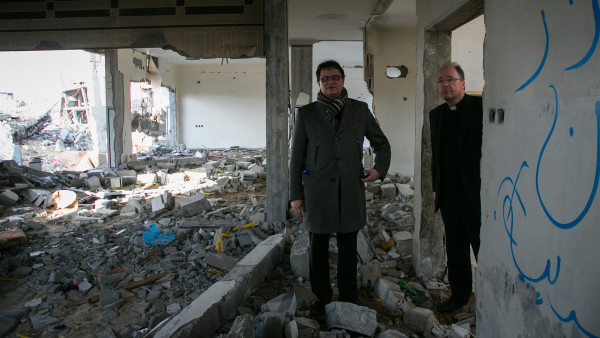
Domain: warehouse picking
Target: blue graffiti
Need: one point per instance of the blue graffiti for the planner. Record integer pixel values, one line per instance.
(537, 72)
(569, 225)
(508, 219)
(572, 317)
(596, 10)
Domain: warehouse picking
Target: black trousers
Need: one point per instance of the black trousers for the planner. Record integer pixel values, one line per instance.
(346, 267)
(462, 232)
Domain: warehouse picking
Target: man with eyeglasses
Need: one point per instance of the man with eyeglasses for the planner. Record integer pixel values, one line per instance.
(456, 132)
(327, 179)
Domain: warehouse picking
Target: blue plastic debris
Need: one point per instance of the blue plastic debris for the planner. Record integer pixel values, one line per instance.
(154, 236)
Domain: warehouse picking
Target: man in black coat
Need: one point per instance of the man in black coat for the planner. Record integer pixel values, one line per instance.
(456, 132)
(327, 178)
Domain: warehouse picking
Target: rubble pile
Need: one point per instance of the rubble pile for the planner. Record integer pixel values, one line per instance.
(116, 253)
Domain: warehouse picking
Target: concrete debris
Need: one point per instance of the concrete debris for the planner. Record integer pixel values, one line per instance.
(351, 317)
(87, 253)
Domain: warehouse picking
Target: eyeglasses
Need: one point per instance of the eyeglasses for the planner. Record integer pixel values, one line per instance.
(333, 77)
(448, 80)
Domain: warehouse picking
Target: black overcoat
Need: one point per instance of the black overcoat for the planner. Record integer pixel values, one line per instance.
(325, 166)
(468, 151)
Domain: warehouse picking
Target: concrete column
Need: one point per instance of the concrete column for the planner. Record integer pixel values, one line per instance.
(429, 254)
(302, 75)
(276, 50)
(115, 106)
(172, 120)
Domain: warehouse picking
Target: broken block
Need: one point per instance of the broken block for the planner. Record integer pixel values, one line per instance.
(248, 175)
(299, 256)
(243, 326)
(8, 198)
(115, 182)
(269, 324)
(162, 202)
(351, 317)
(194, 205)
(388, 190)
(260, 171)
(11, 238)
(392, 334)
(285, 303)
(405, 190)
(420, 320)
(243, 165)
(404, 242)
(362, 247)
(220, 261)
(122, 172)
(93, 182)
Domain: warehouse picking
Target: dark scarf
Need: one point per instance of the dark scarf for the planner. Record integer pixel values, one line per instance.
(333, 107)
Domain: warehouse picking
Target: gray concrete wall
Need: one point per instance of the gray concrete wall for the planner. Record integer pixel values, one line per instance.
(394, 99)
(538, 264)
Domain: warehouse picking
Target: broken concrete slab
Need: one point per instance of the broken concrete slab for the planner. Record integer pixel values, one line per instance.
(391, 334)
(405, 190)
(388, 191)
(220, 302)
(220, 261)
(404, 242)
(8, 198)
(194, 205)
(269, 324)
(420, 320)
(299, 255)
(351, 317)
(63, 199)
(285, 303)
(243, 326)
(363, 248)
(162, 202)
(10, 238)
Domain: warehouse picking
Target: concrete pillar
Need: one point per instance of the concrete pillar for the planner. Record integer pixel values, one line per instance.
(115, 106)
(96, 93)
(302, 77)
(429, 254)
(172, 120)
(276, 49)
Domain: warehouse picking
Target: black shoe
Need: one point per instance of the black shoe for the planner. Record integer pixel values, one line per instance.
(450, 305)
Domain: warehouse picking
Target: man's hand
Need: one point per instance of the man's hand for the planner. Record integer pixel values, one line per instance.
(298, 207)
(373, 175)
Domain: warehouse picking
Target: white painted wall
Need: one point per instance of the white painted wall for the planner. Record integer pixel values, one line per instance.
(539, 266)
(394, 99)
(467, 50)
(222, 105)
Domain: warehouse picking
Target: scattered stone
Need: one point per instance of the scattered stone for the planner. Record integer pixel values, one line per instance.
(351, 317)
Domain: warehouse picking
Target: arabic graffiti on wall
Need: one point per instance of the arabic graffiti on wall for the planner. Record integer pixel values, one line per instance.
(511, 206)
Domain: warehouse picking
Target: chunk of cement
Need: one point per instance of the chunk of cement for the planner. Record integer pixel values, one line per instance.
(243, 326)
(420, 320)
(404, 242)
(299, 256)
(405, 190)
(162, 202)
(285, 303)
(362, 247)
(459, 332)
(388, 190)
(220, 261)
(269, 324)
(392, 334)
(8, 198)
(291, 329)
(41, 321)
(351, 317)
(194, 205)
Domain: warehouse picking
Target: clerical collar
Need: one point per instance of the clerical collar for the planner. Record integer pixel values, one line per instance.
(452, 107)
